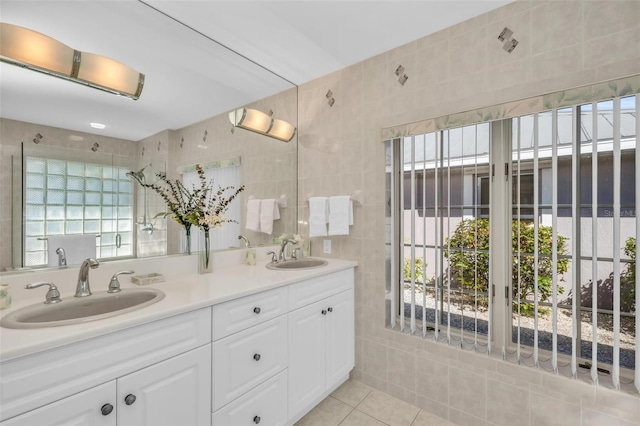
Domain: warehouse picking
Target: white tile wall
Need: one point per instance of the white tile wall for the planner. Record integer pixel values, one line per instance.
(562, 44)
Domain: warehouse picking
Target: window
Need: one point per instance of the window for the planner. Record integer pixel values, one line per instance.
(67, 197)
(553, 230)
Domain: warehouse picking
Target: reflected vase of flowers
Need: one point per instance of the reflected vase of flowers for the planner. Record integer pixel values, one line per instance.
(205, 263)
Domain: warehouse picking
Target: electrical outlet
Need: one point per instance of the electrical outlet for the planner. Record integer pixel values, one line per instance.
(326, 246)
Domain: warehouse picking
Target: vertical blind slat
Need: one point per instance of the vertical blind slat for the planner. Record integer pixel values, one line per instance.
(535, 237)
(413, 234)
(554, 238)
(615, 373)
(594, 241)
(575, 214)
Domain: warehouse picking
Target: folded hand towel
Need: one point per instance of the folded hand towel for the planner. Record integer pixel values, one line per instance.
(269, 212)
(253, 215)
(318, 214)
(340, 215)
(76, 248)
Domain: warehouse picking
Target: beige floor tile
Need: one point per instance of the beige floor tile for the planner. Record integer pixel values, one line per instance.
(330, 412)
(388, 409)
(351, 392)
(427, 419)
(358, 418)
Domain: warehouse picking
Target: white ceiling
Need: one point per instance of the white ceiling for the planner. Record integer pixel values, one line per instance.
(189, 77)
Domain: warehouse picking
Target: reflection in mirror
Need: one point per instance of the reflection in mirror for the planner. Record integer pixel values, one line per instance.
(180, 120)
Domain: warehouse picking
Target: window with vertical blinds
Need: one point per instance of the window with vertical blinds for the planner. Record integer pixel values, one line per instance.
(545, 202)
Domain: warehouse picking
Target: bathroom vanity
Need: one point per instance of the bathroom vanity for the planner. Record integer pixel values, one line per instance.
(243, 346)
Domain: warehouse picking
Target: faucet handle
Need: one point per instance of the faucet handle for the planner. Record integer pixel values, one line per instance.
(52, 296)
(274, 258)
(114, 284)
(296, 252)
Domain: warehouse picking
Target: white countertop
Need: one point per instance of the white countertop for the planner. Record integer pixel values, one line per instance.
(184, 293)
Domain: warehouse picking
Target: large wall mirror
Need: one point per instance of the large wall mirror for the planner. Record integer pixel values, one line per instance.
(61, 177)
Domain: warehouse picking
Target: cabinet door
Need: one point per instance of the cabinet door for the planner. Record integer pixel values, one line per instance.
(173, 392)
(306, 356)
(340, 337)
(82, 409)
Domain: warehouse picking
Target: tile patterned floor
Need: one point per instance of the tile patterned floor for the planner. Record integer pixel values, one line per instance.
(356, 404)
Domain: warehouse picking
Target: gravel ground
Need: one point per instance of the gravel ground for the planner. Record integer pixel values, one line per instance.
(545, 334)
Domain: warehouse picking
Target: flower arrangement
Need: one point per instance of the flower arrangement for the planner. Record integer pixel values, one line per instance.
(201, 206)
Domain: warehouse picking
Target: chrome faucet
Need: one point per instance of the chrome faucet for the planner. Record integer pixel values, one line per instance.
(247, 243)
(62, 257)
(282, 257)
(83, 289)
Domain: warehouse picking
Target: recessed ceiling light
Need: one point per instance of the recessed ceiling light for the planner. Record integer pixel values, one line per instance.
(97, 125)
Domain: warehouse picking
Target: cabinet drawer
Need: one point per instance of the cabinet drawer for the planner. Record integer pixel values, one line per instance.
(246, 359)
(266, 404)
(237, 315)
(310, 291)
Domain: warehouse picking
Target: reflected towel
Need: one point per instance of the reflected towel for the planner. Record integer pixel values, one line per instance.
(318, 215)
(340, 215)
(269, 212)
(253, 215)
(76, 247)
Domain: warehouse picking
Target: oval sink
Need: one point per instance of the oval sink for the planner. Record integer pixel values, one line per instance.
(75, 310)
(294, 264)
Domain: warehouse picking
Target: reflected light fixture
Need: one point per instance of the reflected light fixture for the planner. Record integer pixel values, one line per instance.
(30, 49)
(259, 122)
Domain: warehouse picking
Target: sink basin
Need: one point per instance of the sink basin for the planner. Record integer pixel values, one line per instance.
(294, 264)
(73, 310)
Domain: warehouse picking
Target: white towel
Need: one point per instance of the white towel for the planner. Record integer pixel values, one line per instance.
(318, 215)
(253, 215)
(340, 215)
(76, 248)
(269, 212)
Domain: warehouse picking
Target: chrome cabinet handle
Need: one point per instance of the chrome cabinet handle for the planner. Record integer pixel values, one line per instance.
(256, 357)
(106, 409)
(330, 309)
(257, 310)
(118, 240)
(129, 399)
(256, 419)
(324, 312)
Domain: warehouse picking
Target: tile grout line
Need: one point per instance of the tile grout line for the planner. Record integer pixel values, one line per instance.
(347, 416)
(415, 417)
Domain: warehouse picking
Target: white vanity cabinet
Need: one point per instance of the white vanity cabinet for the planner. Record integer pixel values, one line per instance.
(285, 350)
(165, 365)
(172, 392)
(321, 340)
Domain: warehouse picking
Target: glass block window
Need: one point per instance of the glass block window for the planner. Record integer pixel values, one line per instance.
(66, 197)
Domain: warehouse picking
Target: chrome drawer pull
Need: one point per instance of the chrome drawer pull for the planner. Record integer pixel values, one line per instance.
(106, 409)
(129, 399)
(256, 419)
(256, 310)
(256, 357)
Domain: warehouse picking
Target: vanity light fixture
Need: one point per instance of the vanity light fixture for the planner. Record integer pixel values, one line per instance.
(99, 126)
(35, 51)
(259, 122)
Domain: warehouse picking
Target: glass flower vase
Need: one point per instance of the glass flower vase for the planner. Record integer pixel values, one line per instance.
(187, 240)
(205, 258)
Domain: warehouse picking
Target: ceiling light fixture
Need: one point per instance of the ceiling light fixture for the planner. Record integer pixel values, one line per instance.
(97, 125)
(30, 49)
(259, 122)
